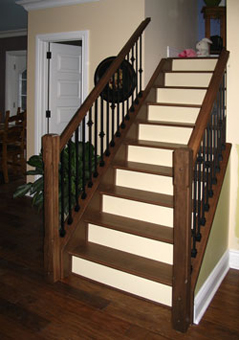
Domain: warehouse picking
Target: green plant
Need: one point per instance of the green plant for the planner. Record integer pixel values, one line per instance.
(35, 189)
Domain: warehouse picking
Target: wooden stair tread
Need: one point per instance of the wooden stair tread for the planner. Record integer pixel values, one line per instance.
(182, 87)
(151, 144)
(137, 195)
(164, 123)
(174, 104)
(129, 263)
(143, 167)
(131, 226)
(188, 71)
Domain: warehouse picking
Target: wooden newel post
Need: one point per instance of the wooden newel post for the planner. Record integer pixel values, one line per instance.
(51, 154)
(181, 304)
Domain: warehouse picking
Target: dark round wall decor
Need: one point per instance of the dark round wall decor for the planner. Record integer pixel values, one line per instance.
(121, 84)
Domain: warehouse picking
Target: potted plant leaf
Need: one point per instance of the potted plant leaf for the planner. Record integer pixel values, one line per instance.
(35, 189)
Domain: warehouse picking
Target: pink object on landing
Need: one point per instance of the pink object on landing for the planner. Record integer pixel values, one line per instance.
(187, 54)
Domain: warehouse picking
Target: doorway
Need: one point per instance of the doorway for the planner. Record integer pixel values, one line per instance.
(59, 90)
(16, 81)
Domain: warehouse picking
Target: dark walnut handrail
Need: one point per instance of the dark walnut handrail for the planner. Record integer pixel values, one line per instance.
(199, 169)
(54, 147)
(207, 105)
(85, 107)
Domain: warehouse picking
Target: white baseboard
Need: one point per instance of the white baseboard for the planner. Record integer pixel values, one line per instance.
(234, 259)
(210, 286)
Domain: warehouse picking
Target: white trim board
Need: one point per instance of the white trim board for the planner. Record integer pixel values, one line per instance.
(202, 300)
(29, 5)
(234, 259)
(42, 41)
(13, 33)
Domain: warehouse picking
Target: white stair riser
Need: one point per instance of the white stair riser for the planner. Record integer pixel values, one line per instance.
(144, 288)
(176, 114)
(144, 181)
(180, 96)
(138, 210)
(151, 249)
(194, 64)
(188, 79)
(168, 134)
(153, 156)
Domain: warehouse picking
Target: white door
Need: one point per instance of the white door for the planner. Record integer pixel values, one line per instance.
(65, 85)
(16, 63)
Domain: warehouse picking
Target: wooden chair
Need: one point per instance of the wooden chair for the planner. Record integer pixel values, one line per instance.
(13, 145)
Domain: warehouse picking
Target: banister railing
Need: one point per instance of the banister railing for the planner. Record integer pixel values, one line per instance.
(195, 173)
(87, 142)
(95, 93)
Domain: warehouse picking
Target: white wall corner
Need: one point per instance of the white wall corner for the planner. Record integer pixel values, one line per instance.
(234, 259)
(210, 287)
(30, 5)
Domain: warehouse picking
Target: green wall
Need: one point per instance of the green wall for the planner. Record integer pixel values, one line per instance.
(218, 240)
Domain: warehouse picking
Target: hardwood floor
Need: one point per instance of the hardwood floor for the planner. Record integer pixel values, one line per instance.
(31, 308)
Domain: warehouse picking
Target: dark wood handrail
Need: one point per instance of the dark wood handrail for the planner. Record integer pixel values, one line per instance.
(207, 105)
(85, 107)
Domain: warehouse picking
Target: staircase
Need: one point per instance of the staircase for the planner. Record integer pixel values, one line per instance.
(129, 224)
(138, 188)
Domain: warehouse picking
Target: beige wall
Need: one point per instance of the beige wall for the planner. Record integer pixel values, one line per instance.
(233, 117)
(218, 241)
(173, 23)
(110, 24)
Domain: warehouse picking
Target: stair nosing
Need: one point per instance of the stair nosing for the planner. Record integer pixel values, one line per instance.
(182, 87)
(151, 144)
(125, 262)
(189, 71)
(198, 106)
(126, 225)
(166, 123)
(137, 195)
(145, 168)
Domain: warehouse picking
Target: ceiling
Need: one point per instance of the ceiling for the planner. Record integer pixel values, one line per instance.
(12, 16)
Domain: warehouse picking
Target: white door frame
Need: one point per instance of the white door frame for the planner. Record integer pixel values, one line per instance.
(42, 41)
(9, 86)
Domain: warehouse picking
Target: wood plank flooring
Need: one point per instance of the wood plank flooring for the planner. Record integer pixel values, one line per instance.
(31, 308)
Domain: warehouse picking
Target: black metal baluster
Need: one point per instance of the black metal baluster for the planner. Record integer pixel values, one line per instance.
(218, 142)
(194, 228)
(90, 123)
(96, 139)
(112, 143)
(122, 125)
(203, 219)
(77, 206)
(62, 195)
(140, 67)
(214, 117)
(223, 116)
(70, 220)
(199, 197)
(101, 134)
(137, 72)
(210, 191)
(220, 124)
(118, 134)
(83, 195)
(132, 96)
(127, 117)
(207, 165)
(107, 152)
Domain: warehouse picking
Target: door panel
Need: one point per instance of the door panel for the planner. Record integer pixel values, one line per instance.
(65, 86)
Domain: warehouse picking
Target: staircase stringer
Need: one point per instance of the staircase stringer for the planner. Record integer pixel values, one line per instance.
(76, 232)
